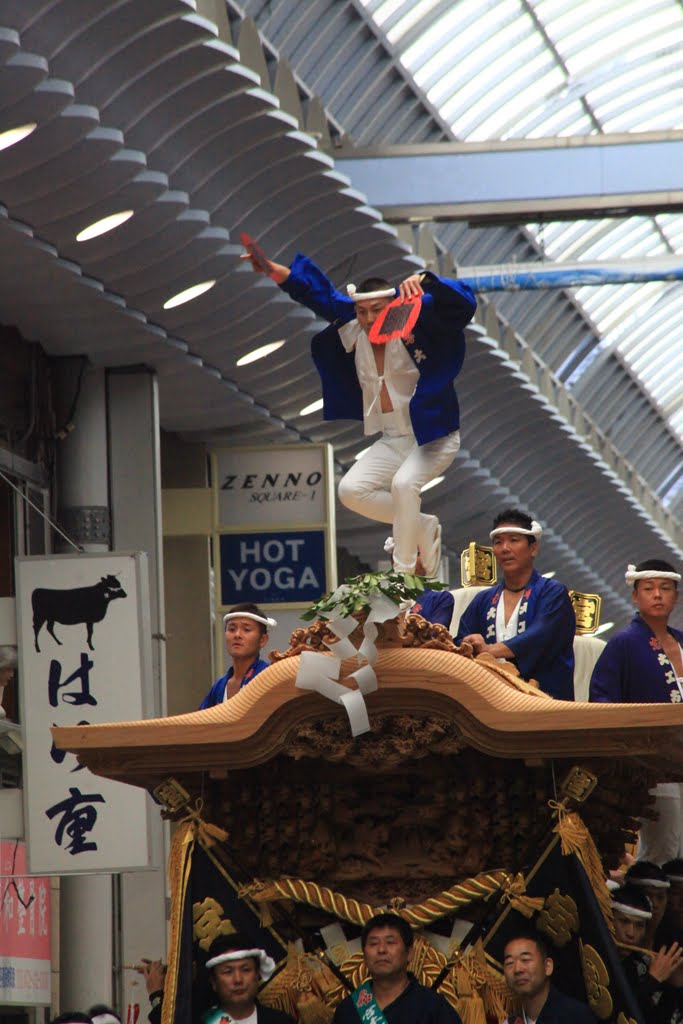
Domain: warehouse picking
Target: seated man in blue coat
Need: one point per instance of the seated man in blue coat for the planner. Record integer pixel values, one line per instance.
(527, 618)
(246, 634)
(403, 389)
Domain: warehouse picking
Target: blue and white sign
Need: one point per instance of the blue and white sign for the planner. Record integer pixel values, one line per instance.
(272, 568)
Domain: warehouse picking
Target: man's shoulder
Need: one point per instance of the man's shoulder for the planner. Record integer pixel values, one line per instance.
(267, 1015)
(564, 1009)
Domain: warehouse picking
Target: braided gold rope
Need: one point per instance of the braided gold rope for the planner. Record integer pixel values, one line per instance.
(351, 910)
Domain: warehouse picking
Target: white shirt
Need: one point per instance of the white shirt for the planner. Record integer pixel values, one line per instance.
(400, 376)
(506, 630)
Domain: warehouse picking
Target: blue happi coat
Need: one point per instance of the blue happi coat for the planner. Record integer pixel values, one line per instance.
(634, 669)
(216, 694)
(436, 346)
(435, 606)
(543, 647)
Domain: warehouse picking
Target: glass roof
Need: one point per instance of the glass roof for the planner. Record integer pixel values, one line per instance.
(506, 69)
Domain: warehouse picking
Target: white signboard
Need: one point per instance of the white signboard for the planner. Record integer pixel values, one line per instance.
(84, 653)
(275, 486)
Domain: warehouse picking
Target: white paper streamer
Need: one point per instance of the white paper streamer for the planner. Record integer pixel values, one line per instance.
(320, 672)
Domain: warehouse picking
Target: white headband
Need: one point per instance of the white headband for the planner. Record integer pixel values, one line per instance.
(383, 293)
(631, 575)
(249, 615)
(535, 531)
(645, 915)
(654, 883)
(266, 963)
(105, 1018)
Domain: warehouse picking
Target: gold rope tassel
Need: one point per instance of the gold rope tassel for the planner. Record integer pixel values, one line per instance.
(468, 981)
(575, 838)
(514, 891)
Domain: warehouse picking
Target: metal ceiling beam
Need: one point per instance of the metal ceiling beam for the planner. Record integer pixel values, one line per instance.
(521, 181)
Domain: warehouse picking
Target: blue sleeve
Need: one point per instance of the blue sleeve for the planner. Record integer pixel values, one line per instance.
(453, 300)
(308, 285)
(549, 634)
(472, 619)
(442, 608)
(606, 682)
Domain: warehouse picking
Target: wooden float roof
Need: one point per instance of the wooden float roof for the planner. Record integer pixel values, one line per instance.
(493, 718)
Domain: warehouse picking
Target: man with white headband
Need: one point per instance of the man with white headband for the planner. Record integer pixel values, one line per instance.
(403, 388)
(246, 634)
(643, 664)
(647, 974)
(526, 618)
(236, 969)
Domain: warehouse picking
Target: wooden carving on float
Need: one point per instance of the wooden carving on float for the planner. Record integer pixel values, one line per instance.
(456, 783)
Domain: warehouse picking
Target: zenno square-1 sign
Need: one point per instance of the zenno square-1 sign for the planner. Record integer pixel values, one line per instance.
(84, 651)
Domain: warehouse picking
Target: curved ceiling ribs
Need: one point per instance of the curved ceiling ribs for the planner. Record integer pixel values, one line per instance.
(178, 111)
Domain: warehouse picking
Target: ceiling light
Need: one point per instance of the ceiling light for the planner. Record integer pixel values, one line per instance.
(362, 453)
(188, 294)
(14, 135)
(602, 628)
(100, 227)
(260, 353)
(432, 483)
(313, 407)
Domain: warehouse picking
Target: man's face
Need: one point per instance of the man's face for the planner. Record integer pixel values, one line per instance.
(244, 638)
(655, 598)
(385, 953)
(235, 983)
(368, 311)
(526, 971)
(513, 551)
(629, 930)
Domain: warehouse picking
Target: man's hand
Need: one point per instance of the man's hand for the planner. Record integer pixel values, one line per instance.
(260, 262)
(664, 963)
(477, 641)
(411, 287)
(154, 973)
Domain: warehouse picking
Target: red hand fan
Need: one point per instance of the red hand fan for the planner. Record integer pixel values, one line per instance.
(396, 320)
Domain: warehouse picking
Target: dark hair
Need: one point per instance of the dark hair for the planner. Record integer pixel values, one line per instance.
(247, 606)
(632, 896)
(514, 517)
(673, 867)
(388, 920)
(74, 1016)
(645, 871)
(529, 935)
(374, 284)
(228, 943)
(654, 564)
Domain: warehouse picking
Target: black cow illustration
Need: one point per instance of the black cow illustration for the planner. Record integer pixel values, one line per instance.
(69, 607)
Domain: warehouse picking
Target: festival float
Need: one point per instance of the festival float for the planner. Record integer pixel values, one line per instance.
(376, 765)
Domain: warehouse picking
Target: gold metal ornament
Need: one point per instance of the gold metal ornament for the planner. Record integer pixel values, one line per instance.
(477, 566)
(587, 611)
(596, 978)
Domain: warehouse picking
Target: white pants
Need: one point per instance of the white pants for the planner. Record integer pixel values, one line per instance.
(385, 485)
(661, 840)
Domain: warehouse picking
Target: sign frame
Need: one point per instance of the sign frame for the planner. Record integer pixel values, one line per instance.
(139, 855)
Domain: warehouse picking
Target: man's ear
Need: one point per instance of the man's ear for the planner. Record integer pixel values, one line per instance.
(549, 966)
(634, 596)
(264, 641)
